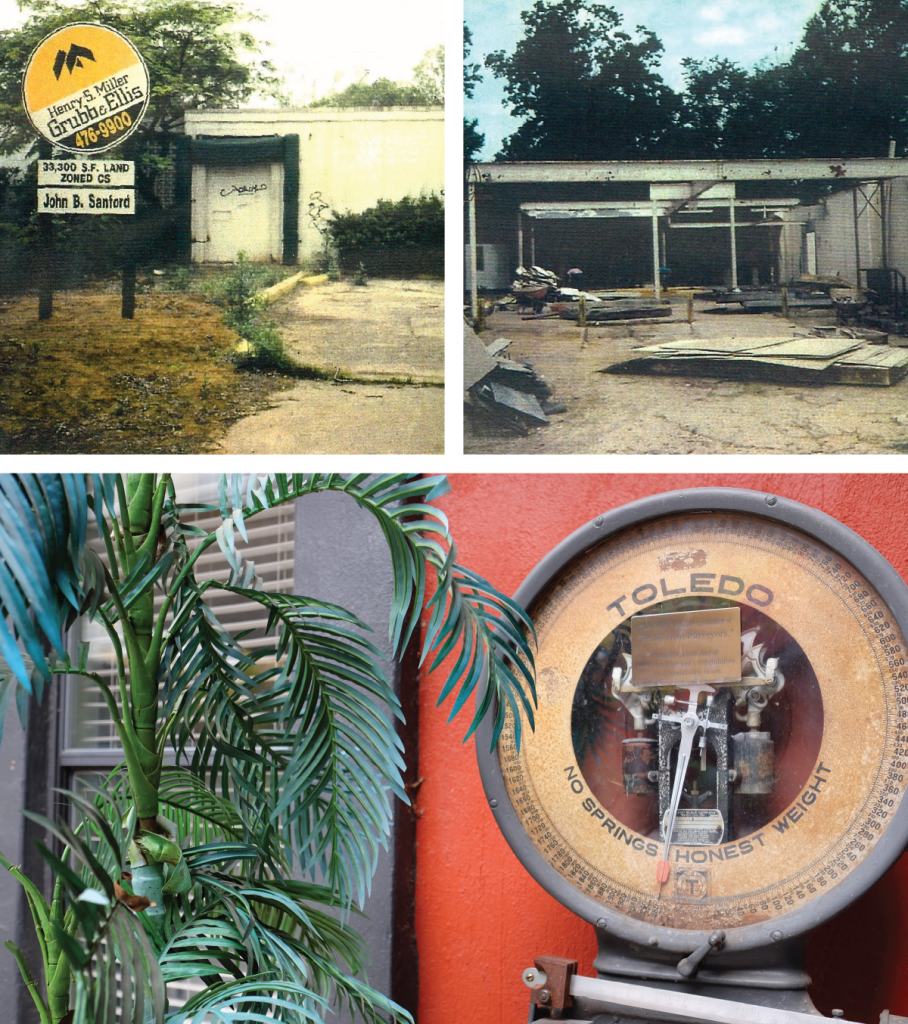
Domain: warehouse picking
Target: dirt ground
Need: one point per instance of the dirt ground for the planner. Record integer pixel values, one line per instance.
(389, 334)
(611, 414)
(88, 381)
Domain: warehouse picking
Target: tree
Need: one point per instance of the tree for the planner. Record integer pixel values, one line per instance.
(846, 86)
(286, 760)
(587, 89)
(729, 112)
(381, 92)
(843, 92)
(426, 90)
(473, 139)
(429, 76)
(194, 56)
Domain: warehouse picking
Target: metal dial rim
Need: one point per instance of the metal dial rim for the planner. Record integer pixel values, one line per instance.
(810, 521)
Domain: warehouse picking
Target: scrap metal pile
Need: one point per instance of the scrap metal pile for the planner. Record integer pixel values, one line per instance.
(540, 291)
(502, 392)
(847, 356)
(810, 293)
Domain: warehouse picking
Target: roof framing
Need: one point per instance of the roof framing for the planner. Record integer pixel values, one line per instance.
(640, 207)
(863, 169)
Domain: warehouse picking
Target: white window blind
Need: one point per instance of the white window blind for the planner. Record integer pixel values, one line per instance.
(87, 725)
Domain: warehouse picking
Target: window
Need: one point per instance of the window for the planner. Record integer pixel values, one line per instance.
(89, 739)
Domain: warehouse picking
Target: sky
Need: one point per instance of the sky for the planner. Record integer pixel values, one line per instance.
(745, 31)
(318, 47)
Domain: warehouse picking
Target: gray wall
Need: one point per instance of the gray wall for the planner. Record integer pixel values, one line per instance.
(342, 557)
(12, 797)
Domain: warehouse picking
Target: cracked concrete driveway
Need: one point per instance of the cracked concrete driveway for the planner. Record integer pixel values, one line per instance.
(387, 330)
(610, 414)
(384, 346)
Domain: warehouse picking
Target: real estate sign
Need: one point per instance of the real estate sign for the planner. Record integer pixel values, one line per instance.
(85, 88)
(86, 186)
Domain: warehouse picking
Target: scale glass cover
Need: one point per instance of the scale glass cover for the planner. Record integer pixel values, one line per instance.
(780, 634)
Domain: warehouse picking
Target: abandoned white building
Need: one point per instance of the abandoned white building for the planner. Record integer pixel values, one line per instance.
(260, 181)
(691, 223)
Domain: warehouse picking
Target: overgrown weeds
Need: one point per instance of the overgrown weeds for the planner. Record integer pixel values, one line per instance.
(238, 292)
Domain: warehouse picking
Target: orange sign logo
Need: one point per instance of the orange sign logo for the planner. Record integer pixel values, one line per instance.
(85, 88)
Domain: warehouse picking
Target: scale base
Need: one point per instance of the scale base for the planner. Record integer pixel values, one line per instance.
(594, 1011)
(769, 977)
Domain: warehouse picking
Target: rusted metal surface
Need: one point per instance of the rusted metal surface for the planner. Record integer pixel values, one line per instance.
(556, 992)
(639, 757)
(754, 762)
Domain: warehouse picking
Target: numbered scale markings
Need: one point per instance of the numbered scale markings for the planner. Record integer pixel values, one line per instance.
(728, 802)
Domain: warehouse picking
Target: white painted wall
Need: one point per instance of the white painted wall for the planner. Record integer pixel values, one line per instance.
(837, 248)
(352, 158)
(897, 241)
(494, 273)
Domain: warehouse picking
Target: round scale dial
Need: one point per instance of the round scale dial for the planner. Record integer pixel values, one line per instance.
(721, 737)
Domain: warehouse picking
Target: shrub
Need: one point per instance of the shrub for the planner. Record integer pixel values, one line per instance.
(392, 239)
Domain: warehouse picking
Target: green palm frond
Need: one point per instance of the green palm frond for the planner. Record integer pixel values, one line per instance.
(42, 538)
(264, 935)
(200, 815)
(489, 628)
(102, 941)
(253, 998)
(209, 683)
(320, 757)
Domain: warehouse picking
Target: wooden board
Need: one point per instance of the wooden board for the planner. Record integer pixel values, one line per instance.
(815, 348)
(721, 345)
(871, 364)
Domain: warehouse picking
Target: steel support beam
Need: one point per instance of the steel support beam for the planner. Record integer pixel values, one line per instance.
(657, 278)
(691, 170)
(734, 251)
(857, 240)
(519, 238)
(570, 208)
(474, 287)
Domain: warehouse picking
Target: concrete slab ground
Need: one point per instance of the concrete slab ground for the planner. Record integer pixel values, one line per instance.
(387, 330)
(323, 418)
(685, 415)
(384, 346)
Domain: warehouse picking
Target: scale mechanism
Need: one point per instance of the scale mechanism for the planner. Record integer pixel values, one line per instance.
(697, 788)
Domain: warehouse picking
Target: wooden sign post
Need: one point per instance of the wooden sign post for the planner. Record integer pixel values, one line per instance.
(85, 90)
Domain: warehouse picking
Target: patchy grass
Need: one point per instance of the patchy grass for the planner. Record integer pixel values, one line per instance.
(88, 381)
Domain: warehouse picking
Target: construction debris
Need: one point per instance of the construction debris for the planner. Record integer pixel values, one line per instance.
(615, 311)
(507, 394)
(534, 287)
(817, 360)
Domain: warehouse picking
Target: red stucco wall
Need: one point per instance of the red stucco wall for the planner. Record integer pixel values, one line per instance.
(480, 918)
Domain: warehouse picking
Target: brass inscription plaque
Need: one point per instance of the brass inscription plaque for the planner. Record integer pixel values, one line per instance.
(838, 727)
(682, 648)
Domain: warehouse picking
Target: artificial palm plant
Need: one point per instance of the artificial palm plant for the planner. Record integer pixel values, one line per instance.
(220, 867)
